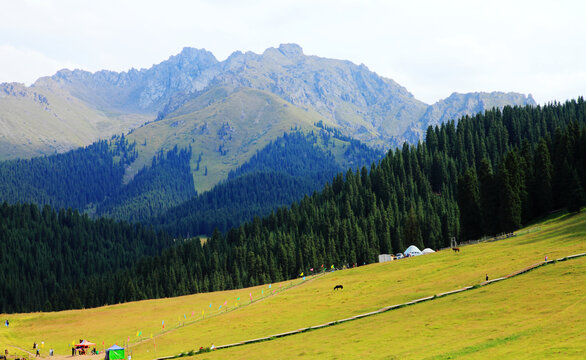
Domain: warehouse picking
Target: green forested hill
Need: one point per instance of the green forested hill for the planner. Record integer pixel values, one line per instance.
(48, 258)
(91, 179)
(284, 171)
(166, 183)
(74, 179)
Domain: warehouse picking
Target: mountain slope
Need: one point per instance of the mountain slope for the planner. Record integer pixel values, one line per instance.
(36, 121)
(368, 107)
(224, 132)
(283, 172)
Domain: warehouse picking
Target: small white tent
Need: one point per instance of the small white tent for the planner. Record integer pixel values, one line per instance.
(427, 251)
(412, 251)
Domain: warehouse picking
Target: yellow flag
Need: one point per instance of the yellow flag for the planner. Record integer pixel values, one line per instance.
(137, 334)
(151, 335)
(301, 274)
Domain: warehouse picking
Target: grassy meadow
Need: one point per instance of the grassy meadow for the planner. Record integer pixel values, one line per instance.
(534, 315)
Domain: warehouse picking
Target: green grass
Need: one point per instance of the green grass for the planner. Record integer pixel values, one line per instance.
(256, 118)
(534, 315)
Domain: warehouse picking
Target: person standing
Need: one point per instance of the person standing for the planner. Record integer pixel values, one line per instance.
(486, 277)
(38, 353)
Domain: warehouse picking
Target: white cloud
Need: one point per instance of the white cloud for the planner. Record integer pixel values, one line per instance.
(27, 65)
(432, 48)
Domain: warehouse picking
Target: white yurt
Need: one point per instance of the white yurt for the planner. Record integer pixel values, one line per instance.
(427, 251)
(412, 251)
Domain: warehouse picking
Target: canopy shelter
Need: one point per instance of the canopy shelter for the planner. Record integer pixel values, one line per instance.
(412, 251)
(84, 344)
(427, 251)
(114, 352)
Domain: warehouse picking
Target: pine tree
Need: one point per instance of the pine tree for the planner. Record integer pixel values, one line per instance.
(469, 203)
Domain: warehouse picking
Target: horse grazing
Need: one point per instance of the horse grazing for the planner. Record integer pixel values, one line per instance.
(456, 249)
(338, 287)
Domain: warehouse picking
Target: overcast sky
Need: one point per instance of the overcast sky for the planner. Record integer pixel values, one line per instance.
(433, 48)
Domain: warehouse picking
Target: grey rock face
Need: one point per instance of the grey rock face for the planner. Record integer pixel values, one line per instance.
(145, 90)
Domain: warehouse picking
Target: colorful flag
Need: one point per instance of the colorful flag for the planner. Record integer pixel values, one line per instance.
(137, 334)
(225, 302)
(192, 313)
(238, 299)
(332, 266)
(301, 274)
(311, 269)
(322, 265)
(262, 292)
(220, 307)
(210, 305)
(270, 286)
(151, 337)
(185, 317)
(202, 313)
(304, 278)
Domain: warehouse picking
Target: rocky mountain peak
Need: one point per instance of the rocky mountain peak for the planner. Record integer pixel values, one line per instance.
(189, 56)
(291, 50)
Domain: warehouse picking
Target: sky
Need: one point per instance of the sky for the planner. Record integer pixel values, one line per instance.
(433, 48)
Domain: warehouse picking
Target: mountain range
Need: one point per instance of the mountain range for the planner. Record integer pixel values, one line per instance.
(227, 110)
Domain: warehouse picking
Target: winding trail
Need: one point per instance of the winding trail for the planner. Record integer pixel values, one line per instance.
(388, 308)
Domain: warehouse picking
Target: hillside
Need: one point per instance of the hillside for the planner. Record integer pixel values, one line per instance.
(283, 172)
(42, 120)
(224, 133)
(510, 318)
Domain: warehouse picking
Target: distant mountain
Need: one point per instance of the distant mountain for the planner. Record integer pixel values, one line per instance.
(75, 108)
(458, 105)
(143, 91)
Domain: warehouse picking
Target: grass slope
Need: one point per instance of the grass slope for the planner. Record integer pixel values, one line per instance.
(239, 122)
(532, 315)
(43, 120)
